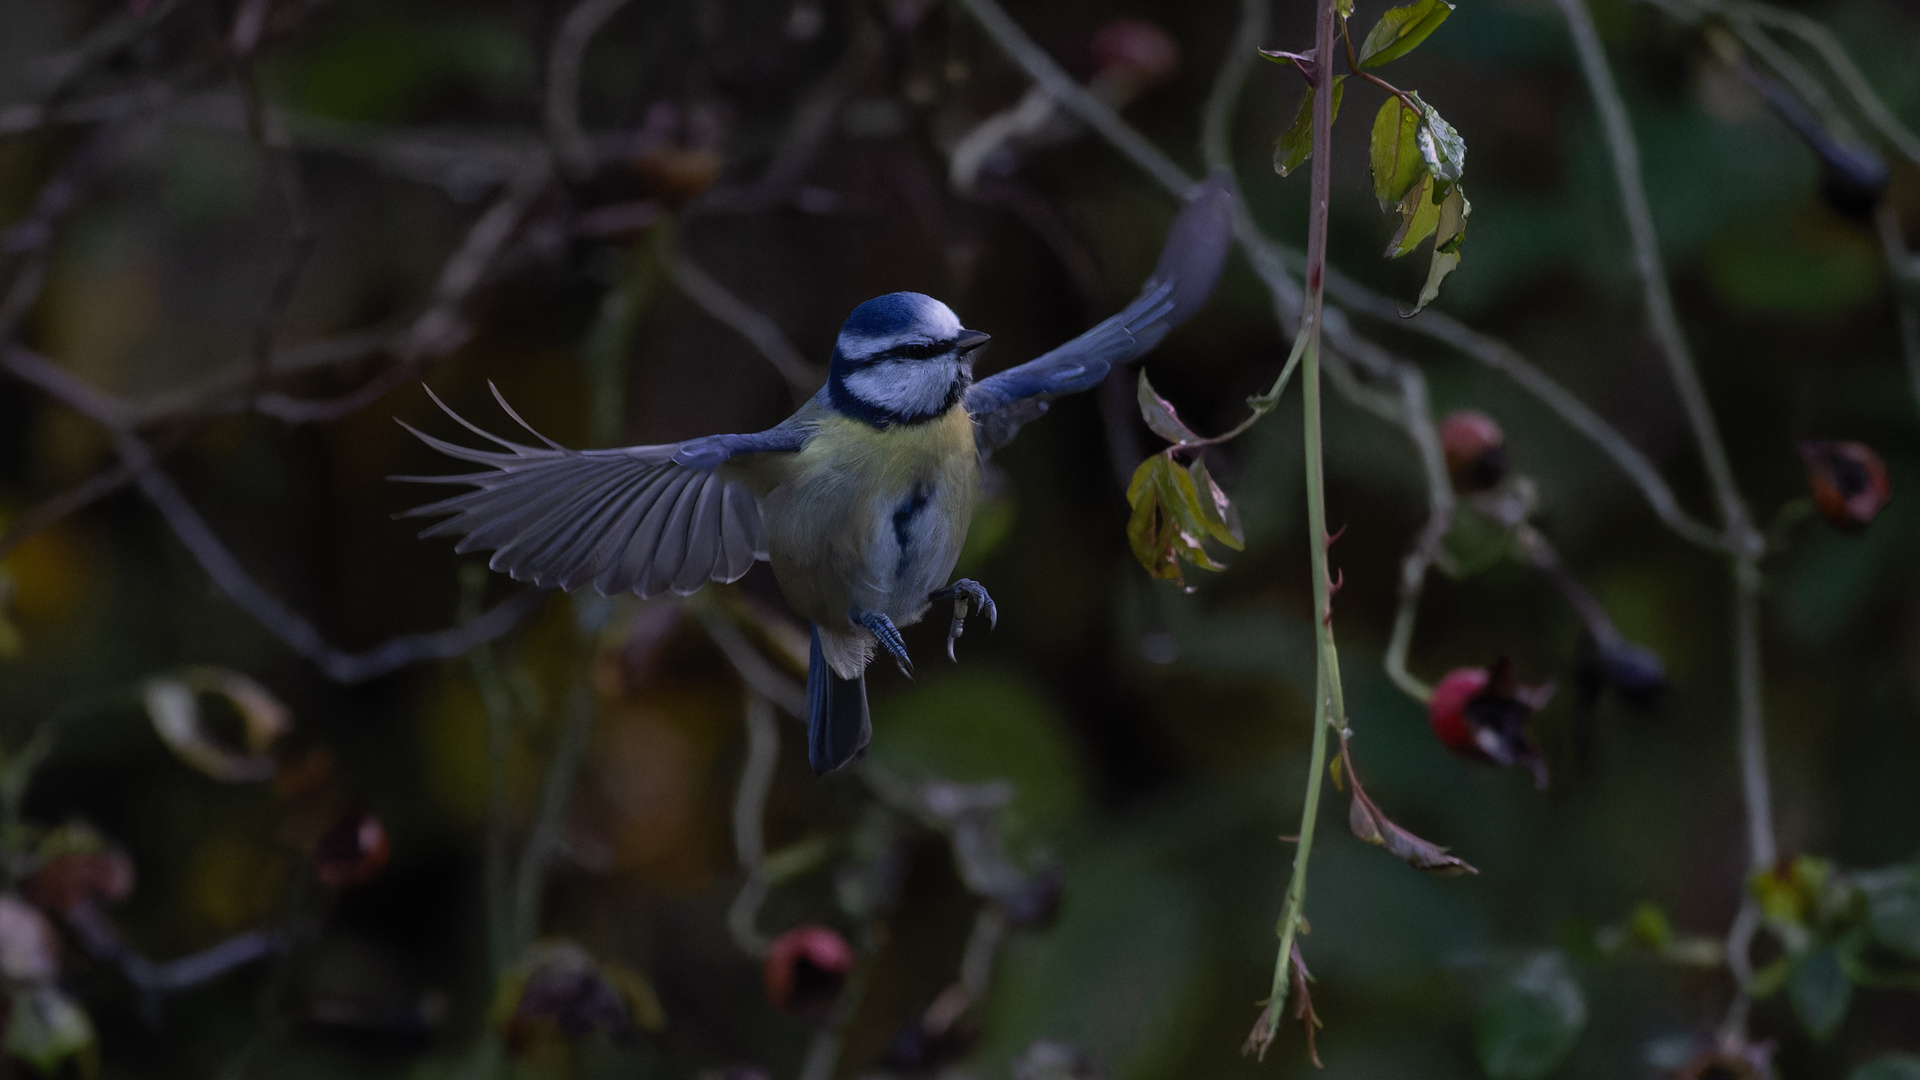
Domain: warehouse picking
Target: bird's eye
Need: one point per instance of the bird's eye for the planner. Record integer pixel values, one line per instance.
(918, 350)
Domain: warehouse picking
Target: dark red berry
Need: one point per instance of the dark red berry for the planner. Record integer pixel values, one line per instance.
(1481, 714)
(1849, 481)
(1134, 56)
(352, 852)
(806, 970)
(1476, 450)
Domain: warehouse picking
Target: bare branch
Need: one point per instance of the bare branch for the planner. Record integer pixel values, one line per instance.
(765, 334)
(97, 935)
(749, 813)
(570, 144)
(70, 501)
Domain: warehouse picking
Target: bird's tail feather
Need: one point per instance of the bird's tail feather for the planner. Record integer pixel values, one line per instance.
(837, 724)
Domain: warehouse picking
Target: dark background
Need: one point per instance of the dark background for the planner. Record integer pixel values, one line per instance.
(1158, 788)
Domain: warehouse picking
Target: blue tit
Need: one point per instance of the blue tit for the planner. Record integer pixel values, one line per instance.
(860, 500)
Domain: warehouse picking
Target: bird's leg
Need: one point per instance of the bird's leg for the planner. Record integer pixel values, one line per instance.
(965, 594)
(888, 635)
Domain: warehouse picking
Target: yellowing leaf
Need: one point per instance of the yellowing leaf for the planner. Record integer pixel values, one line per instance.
(1402, 28)
(1418, 217)
(1394, 152)
(1449, 231)
(1168, 523)
(1217, 511)
(1295, 145)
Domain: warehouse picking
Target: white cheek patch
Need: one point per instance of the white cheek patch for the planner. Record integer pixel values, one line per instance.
(904, 388)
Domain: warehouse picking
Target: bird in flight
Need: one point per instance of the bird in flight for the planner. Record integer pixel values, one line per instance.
(860, 500)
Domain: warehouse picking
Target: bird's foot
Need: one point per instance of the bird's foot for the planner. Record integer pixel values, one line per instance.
(966, 594)
(888, 635)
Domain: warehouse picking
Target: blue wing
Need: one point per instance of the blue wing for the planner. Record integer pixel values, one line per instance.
(1189, 267)
(641, 519)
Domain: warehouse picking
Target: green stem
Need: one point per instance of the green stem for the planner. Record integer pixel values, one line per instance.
(1329, 701)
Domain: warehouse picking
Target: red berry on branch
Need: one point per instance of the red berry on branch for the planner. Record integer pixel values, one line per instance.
(1849, 481)
(1481, 713)
(1476, 450)
(806, 970)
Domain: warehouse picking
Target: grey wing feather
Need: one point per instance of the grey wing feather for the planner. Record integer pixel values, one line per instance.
(1188, 269)
(641, 519)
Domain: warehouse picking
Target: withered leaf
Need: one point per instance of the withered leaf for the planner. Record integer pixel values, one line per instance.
(1368, 823)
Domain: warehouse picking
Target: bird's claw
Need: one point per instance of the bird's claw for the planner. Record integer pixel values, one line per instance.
(966, 595)
(888, 635)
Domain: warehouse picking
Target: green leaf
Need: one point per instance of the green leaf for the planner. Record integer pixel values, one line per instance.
(1159, 414)
(1344, 8)
(1448, 233)
(1893, 907)
(1295, 145)
(1889, 1067)
(1820, 990)
(1419, 216)
(1442, 149)
(1527, 1026)
(1402, 28)
(1394, 152)
(47, 1028)
(1168, 523)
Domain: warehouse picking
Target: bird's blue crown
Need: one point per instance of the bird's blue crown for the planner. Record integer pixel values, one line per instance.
(902, 358)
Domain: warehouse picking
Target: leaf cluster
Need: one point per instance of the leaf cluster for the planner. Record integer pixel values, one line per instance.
(1840, 931)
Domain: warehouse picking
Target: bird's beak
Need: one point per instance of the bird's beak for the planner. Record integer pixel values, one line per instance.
(969, 340)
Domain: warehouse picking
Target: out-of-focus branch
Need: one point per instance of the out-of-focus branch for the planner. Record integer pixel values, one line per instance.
(749, 814)
(755, 670)
(97, 935)
(543, 841)
(193, 531)
(30, 116)
(1662, 319)
(1903, 271)
(1075, 98)
(1744, 544)
(1417, 420)
(1844, 69)
(70, 501)
(47, 76)
(802, 377)
(570, 144)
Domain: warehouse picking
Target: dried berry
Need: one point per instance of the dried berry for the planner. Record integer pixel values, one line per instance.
(1849, 482)
(1481, 714)
(1133, 56)
(806, 970)
(352, 852)
(1476, 450)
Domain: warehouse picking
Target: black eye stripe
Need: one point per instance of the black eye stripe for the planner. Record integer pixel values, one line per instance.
(919, 350)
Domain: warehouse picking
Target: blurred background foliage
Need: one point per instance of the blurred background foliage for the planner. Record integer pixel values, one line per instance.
(1153, 740)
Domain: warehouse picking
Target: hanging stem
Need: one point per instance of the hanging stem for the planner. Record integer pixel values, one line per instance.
(1329, 704)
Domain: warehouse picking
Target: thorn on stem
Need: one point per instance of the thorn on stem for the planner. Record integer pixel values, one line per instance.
(1337, 534)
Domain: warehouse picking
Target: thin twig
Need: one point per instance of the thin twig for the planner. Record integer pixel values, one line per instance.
(802, 377)
(543, 841)
(1903, 271)
(1743, 541)
(570, 144)
(1844, 69)
(749, 814)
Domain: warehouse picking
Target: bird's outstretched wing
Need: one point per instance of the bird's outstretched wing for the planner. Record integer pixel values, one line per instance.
(641, 519)
(1189, 267)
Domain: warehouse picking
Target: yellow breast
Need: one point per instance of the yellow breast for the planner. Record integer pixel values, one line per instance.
(939, 451)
